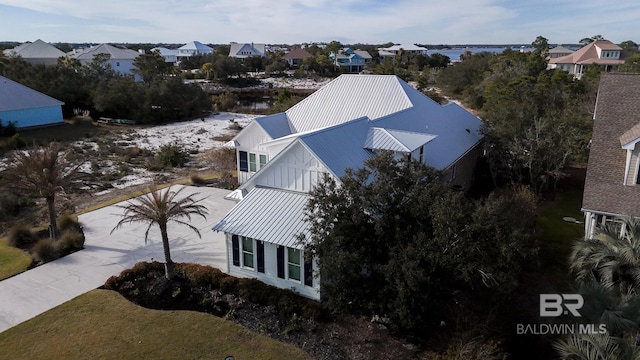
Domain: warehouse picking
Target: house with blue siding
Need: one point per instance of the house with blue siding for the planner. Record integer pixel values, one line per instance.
(282, 157)
(27, 108)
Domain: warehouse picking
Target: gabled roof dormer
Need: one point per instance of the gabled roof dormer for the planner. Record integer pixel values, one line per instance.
(629, 141)
(396, 140)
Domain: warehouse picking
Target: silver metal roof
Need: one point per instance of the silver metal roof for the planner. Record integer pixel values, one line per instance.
(395, 140)
(15, 96)
(350, 97)
(36, 49)
(272, 215)
(114, 53)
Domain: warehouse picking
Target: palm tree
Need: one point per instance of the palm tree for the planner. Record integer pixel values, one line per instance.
(612, 257)
(160, 207)
(44, 172)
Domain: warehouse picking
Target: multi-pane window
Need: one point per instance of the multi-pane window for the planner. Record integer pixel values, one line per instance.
(263, 160)
(293, 262)
(244, 164)
(252, 162)
(247, 252)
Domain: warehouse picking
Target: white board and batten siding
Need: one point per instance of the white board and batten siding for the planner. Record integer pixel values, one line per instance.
(297, 170)
(270, 275)
(250, 140)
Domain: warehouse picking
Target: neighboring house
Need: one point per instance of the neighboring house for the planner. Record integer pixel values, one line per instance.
(559, 51)
(612, 185)
(26, 107)
(169, 55)
(601, 52)
(120, 60)
(36, 53)
(282, 157)
(351, 61)
(192, 49)
(243, 51)
(393, 51)
(295, 57)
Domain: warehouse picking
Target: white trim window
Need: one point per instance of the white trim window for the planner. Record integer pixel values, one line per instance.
(247, 253)
(294, 264)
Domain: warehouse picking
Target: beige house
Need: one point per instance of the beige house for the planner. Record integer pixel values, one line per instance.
(601, 52)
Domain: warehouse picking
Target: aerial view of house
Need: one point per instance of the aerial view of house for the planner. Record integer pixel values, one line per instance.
(601, 52)
(282, 157)
(120, 60)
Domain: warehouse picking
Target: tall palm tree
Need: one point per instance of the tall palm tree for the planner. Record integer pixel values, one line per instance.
(45, 172)
(161, 207)
(612, 257)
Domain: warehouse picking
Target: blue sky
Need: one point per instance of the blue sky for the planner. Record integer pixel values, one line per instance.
(297, 21)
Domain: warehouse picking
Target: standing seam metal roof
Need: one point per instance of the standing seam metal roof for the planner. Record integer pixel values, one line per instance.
(272, 215)
(15, 96)
(349, 97)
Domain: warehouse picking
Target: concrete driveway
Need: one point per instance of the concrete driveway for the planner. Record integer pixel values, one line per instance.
(33, 292)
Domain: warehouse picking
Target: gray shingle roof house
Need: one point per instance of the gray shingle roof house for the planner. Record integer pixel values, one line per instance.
(26, 107)
(37, 52)
(282, 157)
(612, 185)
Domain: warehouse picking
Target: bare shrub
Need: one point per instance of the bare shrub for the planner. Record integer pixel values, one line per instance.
(221, 159)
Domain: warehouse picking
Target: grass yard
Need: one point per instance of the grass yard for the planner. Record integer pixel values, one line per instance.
(12, 261)
(103, 325)
(558, 235)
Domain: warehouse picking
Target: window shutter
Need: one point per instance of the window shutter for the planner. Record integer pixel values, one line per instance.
(281, 262)
(308, 272)
(260, 252)
(235, 244)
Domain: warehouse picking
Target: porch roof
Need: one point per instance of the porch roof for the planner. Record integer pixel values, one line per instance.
(272, 215)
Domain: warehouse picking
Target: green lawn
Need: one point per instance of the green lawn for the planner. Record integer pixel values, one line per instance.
(12, 261)
(103, 325)
(557, 235)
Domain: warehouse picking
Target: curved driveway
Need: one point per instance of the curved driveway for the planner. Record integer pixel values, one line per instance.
(33, 292)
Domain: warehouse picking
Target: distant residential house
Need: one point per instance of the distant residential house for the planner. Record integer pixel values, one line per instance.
(600, 52)
(120, 60)
(27, 108)
(612, 185)
(295, 57)
(243, 51)
(36, 53)
(352, 61)
(169, 55)
(282, 157)
(192, 49)
(395, 50)
(559, 51)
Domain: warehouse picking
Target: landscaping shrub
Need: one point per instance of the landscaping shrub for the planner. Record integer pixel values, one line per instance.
(197, 180)
(168, 156)
(222, 159)
(202, 276)
(68, 222)
(70, 241)
(21, 236)
(44, 251)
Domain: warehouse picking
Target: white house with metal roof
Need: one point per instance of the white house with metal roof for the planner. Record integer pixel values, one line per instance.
(283, 156)
(120, 60)
(35, 53)
(243, 51)
(27, 108)
(192, 49)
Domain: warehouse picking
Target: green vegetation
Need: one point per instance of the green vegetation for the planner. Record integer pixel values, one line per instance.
(12, 260)
(396, 242)
(557, 236)
(103, 325)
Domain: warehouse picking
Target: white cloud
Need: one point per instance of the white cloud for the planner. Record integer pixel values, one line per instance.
(290, 21)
